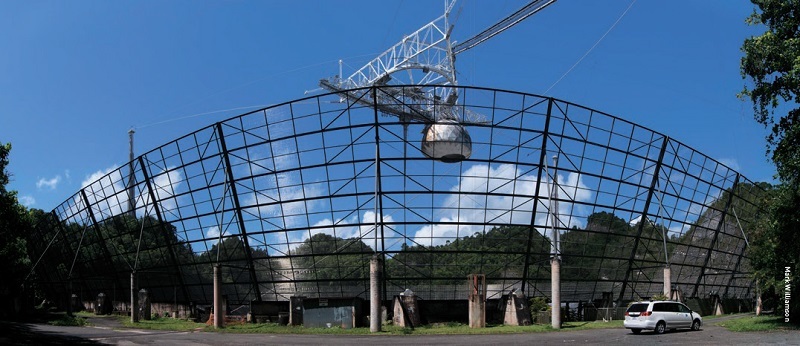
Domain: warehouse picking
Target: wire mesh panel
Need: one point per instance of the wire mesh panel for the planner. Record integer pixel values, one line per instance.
(294, 199)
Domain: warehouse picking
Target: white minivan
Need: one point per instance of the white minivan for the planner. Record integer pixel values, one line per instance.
(659, 316)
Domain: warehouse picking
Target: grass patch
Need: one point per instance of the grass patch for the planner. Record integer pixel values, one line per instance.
(432, 329)
(65, 320)
(570, 326)
(163, 324)
(712, 317)
(757, 324)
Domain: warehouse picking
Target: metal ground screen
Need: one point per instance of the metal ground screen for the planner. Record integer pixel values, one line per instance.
(294, 199)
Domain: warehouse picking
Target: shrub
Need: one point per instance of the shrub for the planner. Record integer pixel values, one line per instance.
(538, 304)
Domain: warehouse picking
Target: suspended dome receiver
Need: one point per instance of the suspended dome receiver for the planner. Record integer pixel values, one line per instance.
(446, 141)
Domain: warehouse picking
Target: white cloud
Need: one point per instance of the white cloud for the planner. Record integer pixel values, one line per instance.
(107, 193)
(506, 197)
(27, 200)
(213, 233)
(165, 185)
(289, 200)
(731, 163)
(51, 183)
(95, 177)
(346, 229)
(100, 186)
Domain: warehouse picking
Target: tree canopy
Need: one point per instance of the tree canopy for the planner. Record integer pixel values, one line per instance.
(15, 223)
(771, 62)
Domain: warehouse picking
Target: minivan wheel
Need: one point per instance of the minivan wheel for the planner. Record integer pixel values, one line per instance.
(636, 330)
(696, 325)
(661, 327)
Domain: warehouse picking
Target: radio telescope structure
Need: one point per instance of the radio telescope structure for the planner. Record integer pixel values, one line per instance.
(294, 199)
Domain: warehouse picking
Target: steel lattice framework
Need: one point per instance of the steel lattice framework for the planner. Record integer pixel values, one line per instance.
(292, 192)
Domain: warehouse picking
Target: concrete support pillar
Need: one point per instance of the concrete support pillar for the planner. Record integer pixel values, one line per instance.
(374, 296)
(219, 308)
(75, 303)
(759, 303)
(517, 312)
(144, 312)
(719, 310)
(406, 310)
(134, 297)
(477, 300)
(69, 299)
(555, 288)
(668, 282)
(296, 310)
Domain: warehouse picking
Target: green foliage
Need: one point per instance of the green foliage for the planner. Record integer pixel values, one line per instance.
(774, 245)
(772, 62)
(538, 304)
(334, 258)
(499, 252)
(70, 321)
(451, 328)
(757, 324)
(601, 251)
(659, 296)
(15, 224)
(164, 324)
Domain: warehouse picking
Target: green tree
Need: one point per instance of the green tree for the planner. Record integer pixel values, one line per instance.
(497, 253)
(15, 223)
(772, 62)
(334, 258)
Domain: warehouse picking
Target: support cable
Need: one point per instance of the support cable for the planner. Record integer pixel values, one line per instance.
(139, 245)
(77, 252)
(591, 49)
(221, 216)
(41, 256)
(740, 226)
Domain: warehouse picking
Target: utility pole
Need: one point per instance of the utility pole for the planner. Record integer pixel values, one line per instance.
(555, 260)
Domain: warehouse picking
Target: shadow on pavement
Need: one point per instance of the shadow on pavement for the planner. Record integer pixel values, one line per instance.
(16, 333)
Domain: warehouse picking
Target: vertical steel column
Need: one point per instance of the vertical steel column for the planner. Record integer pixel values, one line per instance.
(131, 198)
(219, 313)
(134, 300)
(99, 236)
(239, 218)
(375, 267)
(644, 216)
(532, 228)
(716, 235)
(161, 222)
(555, 261)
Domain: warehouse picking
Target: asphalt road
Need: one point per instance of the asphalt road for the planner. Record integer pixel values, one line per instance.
(107, 332)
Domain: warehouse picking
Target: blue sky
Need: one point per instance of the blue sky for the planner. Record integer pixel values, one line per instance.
(75, 76)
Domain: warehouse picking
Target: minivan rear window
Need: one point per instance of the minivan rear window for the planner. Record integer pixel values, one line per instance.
(638, 308)
(665, 307)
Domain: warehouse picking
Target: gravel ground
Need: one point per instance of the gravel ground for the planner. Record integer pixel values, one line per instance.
(110, 331)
